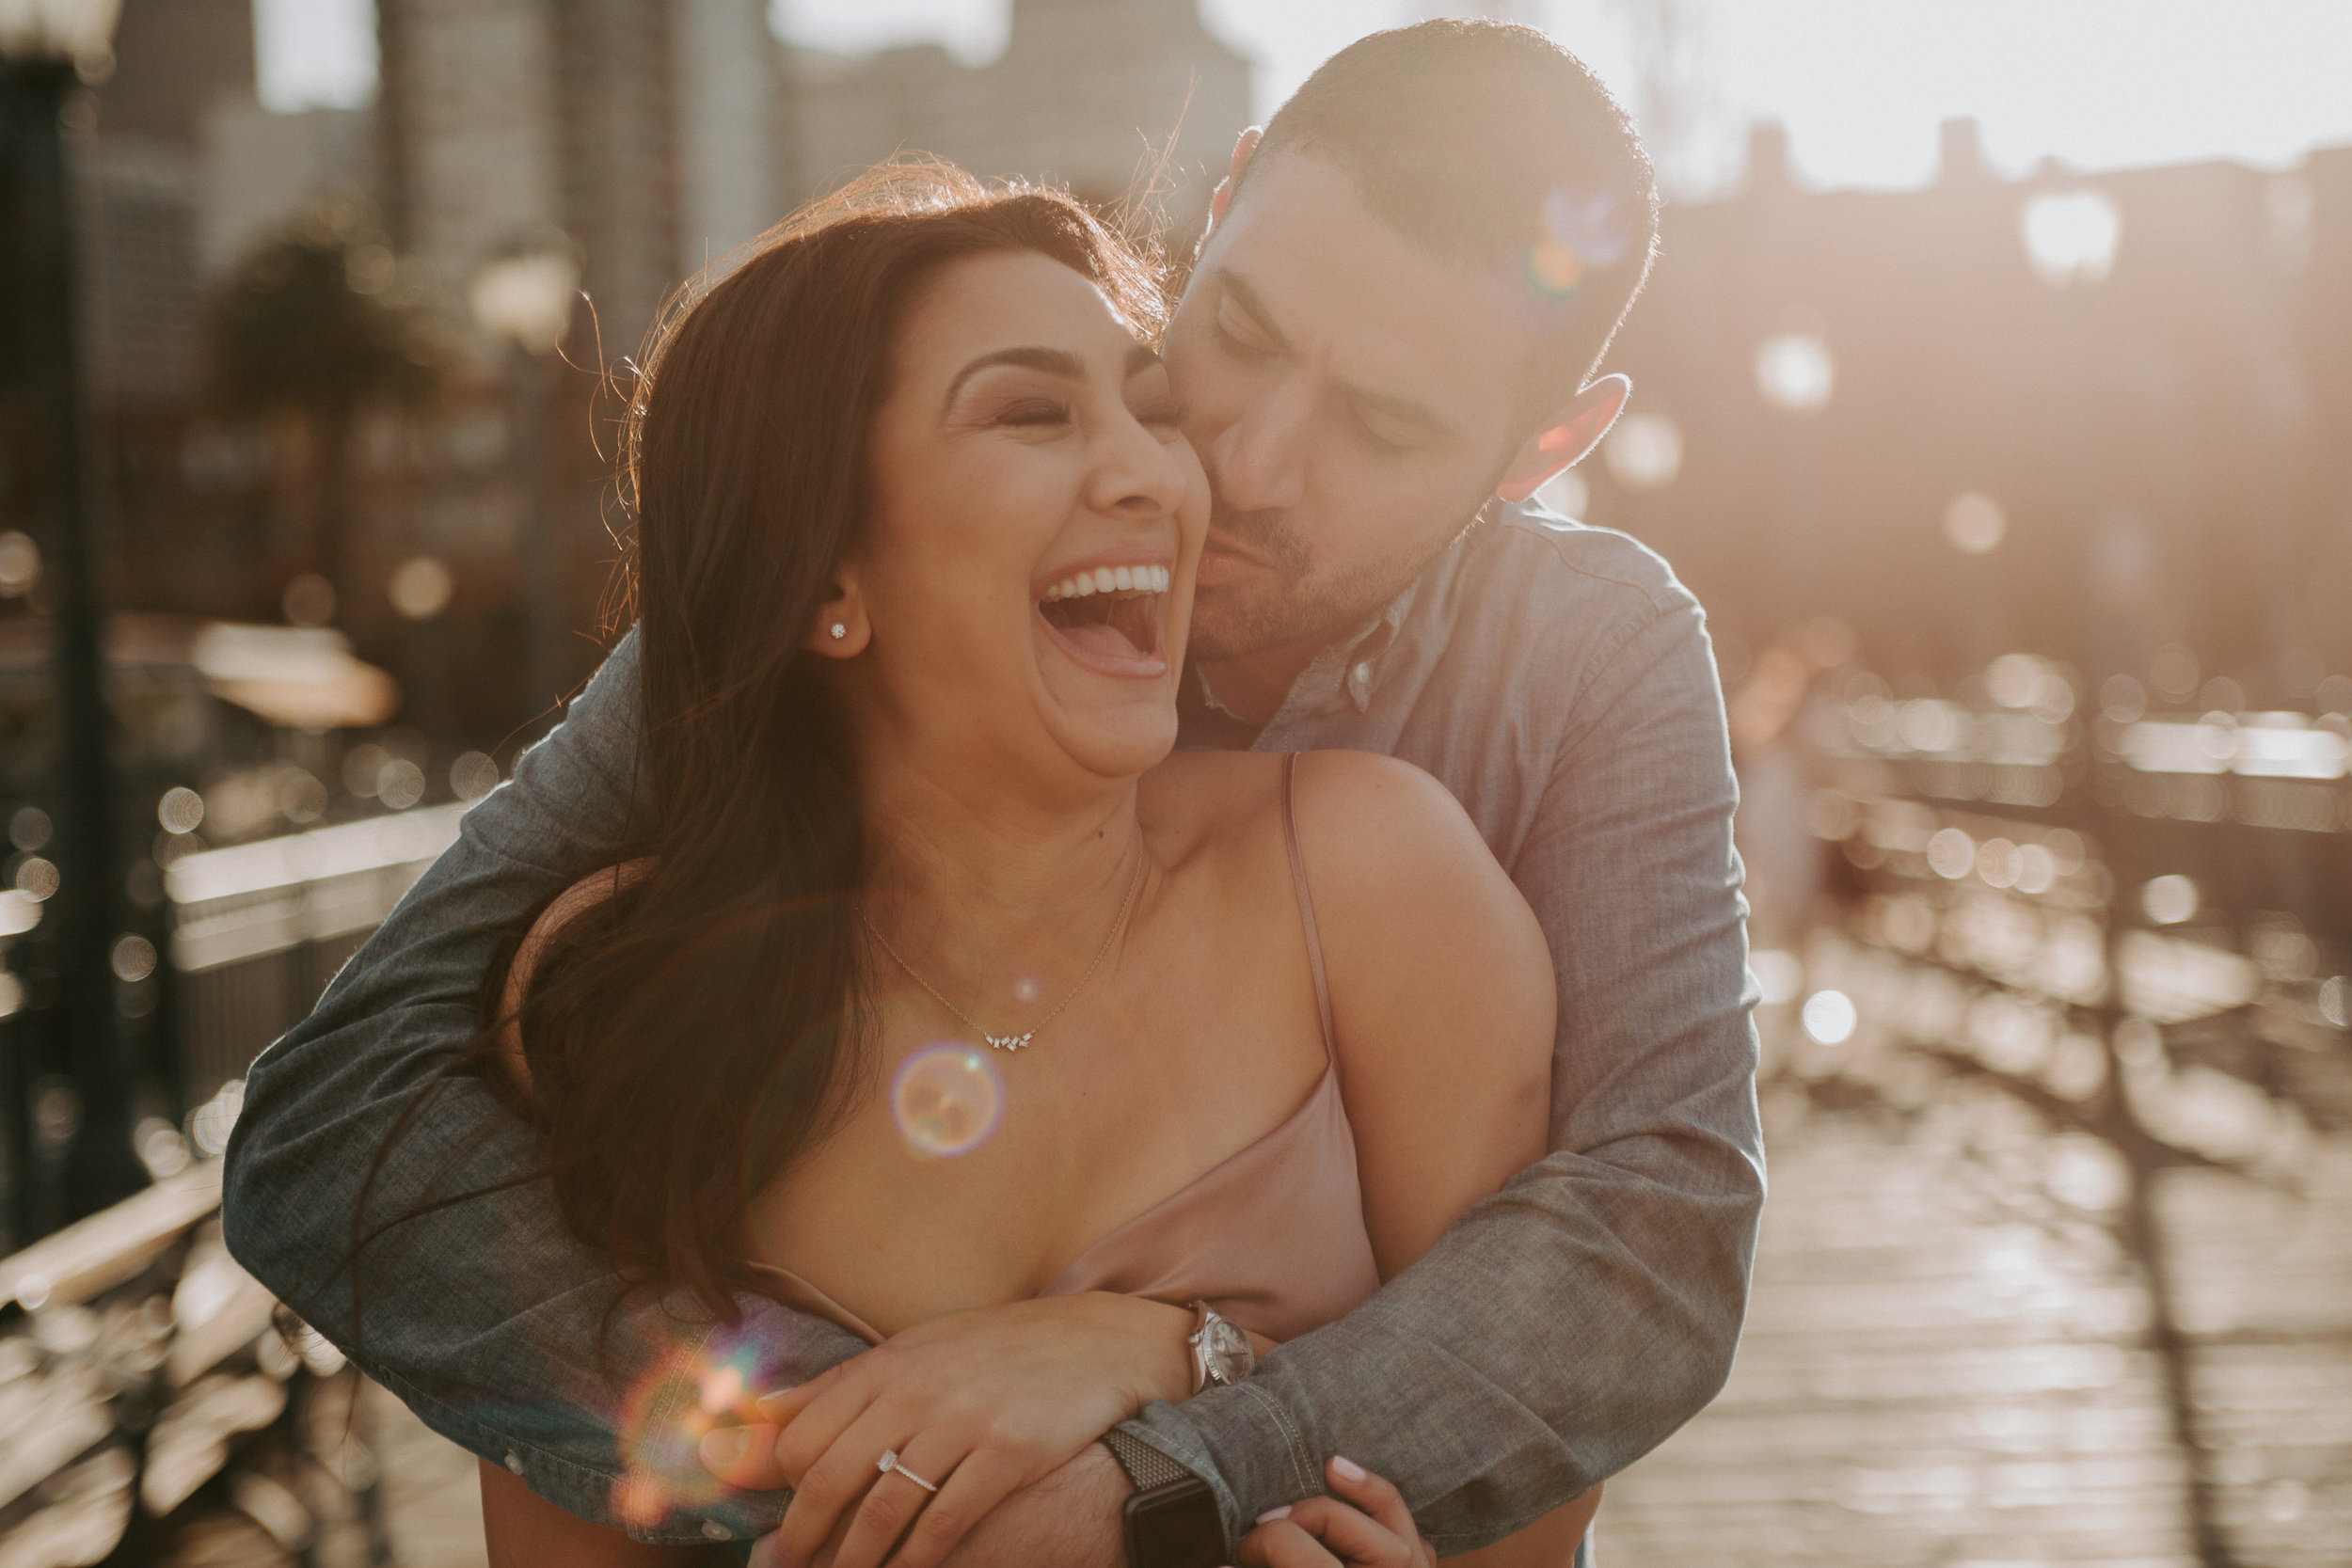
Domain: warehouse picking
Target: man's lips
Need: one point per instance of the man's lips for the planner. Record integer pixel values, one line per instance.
(1222, 560)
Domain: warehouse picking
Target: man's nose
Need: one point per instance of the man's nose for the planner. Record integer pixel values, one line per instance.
(1258, 463)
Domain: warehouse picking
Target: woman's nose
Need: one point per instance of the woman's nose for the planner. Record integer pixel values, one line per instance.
(1138, 474)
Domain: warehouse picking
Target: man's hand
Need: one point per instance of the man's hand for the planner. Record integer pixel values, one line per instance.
(1071, 1519)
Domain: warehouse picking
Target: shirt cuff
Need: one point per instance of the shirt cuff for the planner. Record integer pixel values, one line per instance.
(1267, 1460)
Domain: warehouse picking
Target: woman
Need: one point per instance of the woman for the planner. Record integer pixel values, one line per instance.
(916, 535)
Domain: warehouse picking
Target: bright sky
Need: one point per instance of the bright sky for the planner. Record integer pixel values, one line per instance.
(1860, 84)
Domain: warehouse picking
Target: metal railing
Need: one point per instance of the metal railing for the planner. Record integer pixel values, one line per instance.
(259, 929)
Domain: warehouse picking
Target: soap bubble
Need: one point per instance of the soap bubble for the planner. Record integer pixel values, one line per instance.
(947, 1099)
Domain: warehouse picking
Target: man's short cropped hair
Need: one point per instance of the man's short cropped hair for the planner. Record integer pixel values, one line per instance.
(1487, 143)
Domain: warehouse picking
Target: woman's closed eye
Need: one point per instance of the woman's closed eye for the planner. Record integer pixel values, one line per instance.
(1033, 413)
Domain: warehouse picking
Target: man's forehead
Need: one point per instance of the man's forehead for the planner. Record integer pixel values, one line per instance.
(1339, 282)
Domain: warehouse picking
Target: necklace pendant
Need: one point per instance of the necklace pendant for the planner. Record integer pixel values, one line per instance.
(1006, 1042)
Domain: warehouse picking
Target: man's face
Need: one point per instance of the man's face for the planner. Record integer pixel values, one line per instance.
(1353, 397)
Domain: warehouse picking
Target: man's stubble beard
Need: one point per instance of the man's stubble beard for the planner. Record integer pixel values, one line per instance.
(1298, 608)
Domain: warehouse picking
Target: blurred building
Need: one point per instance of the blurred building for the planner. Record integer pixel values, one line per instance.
(1093, 93)
(141, 167)
(2083, 416)
(642, 129)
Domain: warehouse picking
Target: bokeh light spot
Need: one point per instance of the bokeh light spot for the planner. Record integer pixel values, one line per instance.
(1794, 372)
(309, 600)
(947, 1100)
(2172, 669)
(36, 879)
(2122, 699)
(19, 563)
(472, 775)
(1951, 854)
(2072, 236)
(1829, 1017)
(422, 588)
(180, 810)
(1643, 451)
(1975, 523)
(29, 828)
(2169, 900)
(133, 959)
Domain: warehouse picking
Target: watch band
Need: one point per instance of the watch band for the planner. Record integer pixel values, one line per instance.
(1145, 1465)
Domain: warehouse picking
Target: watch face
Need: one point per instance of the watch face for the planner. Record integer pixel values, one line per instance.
(1228, 1355)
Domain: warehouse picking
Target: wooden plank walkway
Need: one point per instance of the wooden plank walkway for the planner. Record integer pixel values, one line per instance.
(1948, 1361)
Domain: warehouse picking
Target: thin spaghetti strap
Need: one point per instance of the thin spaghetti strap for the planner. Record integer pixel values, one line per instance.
(1306, 905)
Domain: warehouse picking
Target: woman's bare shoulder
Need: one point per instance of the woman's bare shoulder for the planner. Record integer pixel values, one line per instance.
(1443, 994)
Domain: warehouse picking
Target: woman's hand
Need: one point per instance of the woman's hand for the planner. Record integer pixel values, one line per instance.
(1365, 1524)
(980, 1403)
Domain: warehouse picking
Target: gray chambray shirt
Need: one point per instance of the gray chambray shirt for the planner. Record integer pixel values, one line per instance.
(1558, 679)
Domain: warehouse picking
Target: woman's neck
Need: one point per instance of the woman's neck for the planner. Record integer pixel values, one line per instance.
(988, 885)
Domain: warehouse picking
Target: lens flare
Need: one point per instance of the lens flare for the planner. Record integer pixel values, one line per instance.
(1581, 234)
(947, 1100)
(669, 1412)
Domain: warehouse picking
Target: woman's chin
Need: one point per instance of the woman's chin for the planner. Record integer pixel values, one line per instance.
(1117, 740)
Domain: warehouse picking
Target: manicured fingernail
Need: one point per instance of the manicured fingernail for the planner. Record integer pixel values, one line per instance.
(723, 1448)
(1273, 1513)
(1348, 1469)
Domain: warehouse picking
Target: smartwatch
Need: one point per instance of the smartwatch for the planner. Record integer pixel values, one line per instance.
(1171, 1521)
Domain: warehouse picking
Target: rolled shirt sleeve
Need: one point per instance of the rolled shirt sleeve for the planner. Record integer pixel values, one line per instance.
(473, 1301)
(1566, 1326)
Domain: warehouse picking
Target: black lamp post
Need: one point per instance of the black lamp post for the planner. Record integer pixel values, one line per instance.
(40, 42)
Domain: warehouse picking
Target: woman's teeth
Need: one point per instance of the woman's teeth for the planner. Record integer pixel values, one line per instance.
(1110, 580)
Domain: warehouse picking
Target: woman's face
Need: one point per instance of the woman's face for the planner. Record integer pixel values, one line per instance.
(1028, 576)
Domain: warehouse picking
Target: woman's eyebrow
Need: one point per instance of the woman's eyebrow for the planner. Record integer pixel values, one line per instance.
(1053, 361)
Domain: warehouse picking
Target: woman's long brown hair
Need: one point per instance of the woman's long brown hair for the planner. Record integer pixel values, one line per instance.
(689, 1035)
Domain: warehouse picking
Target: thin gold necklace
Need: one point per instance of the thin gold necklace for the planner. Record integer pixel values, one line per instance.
(1014, 1042)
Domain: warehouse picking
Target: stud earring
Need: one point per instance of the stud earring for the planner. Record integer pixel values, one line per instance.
(839, 630)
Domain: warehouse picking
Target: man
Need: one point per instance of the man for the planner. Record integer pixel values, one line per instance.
(1383, 348)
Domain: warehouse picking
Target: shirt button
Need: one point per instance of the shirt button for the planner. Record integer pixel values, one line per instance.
(716, 1530)
(514, 1463)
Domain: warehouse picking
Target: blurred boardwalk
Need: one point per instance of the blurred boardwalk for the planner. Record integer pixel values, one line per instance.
(1948, 1361)
(431, 1493)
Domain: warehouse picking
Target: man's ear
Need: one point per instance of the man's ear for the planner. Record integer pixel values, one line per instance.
(1566, 438)
(842, 630)
(1222, 198)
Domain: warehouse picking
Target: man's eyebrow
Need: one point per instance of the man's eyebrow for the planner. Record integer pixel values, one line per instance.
(1053, 361)
(1388, 405)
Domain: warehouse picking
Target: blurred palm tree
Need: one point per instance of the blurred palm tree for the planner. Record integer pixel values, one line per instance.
(320, 321)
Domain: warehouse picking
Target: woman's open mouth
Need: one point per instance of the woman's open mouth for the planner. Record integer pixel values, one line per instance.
(1108, 619)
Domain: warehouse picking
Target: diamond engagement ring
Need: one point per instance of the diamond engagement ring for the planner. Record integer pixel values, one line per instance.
(889, 1462)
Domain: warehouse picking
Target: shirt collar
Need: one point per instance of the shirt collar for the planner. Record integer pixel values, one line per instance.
(1347, 668)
